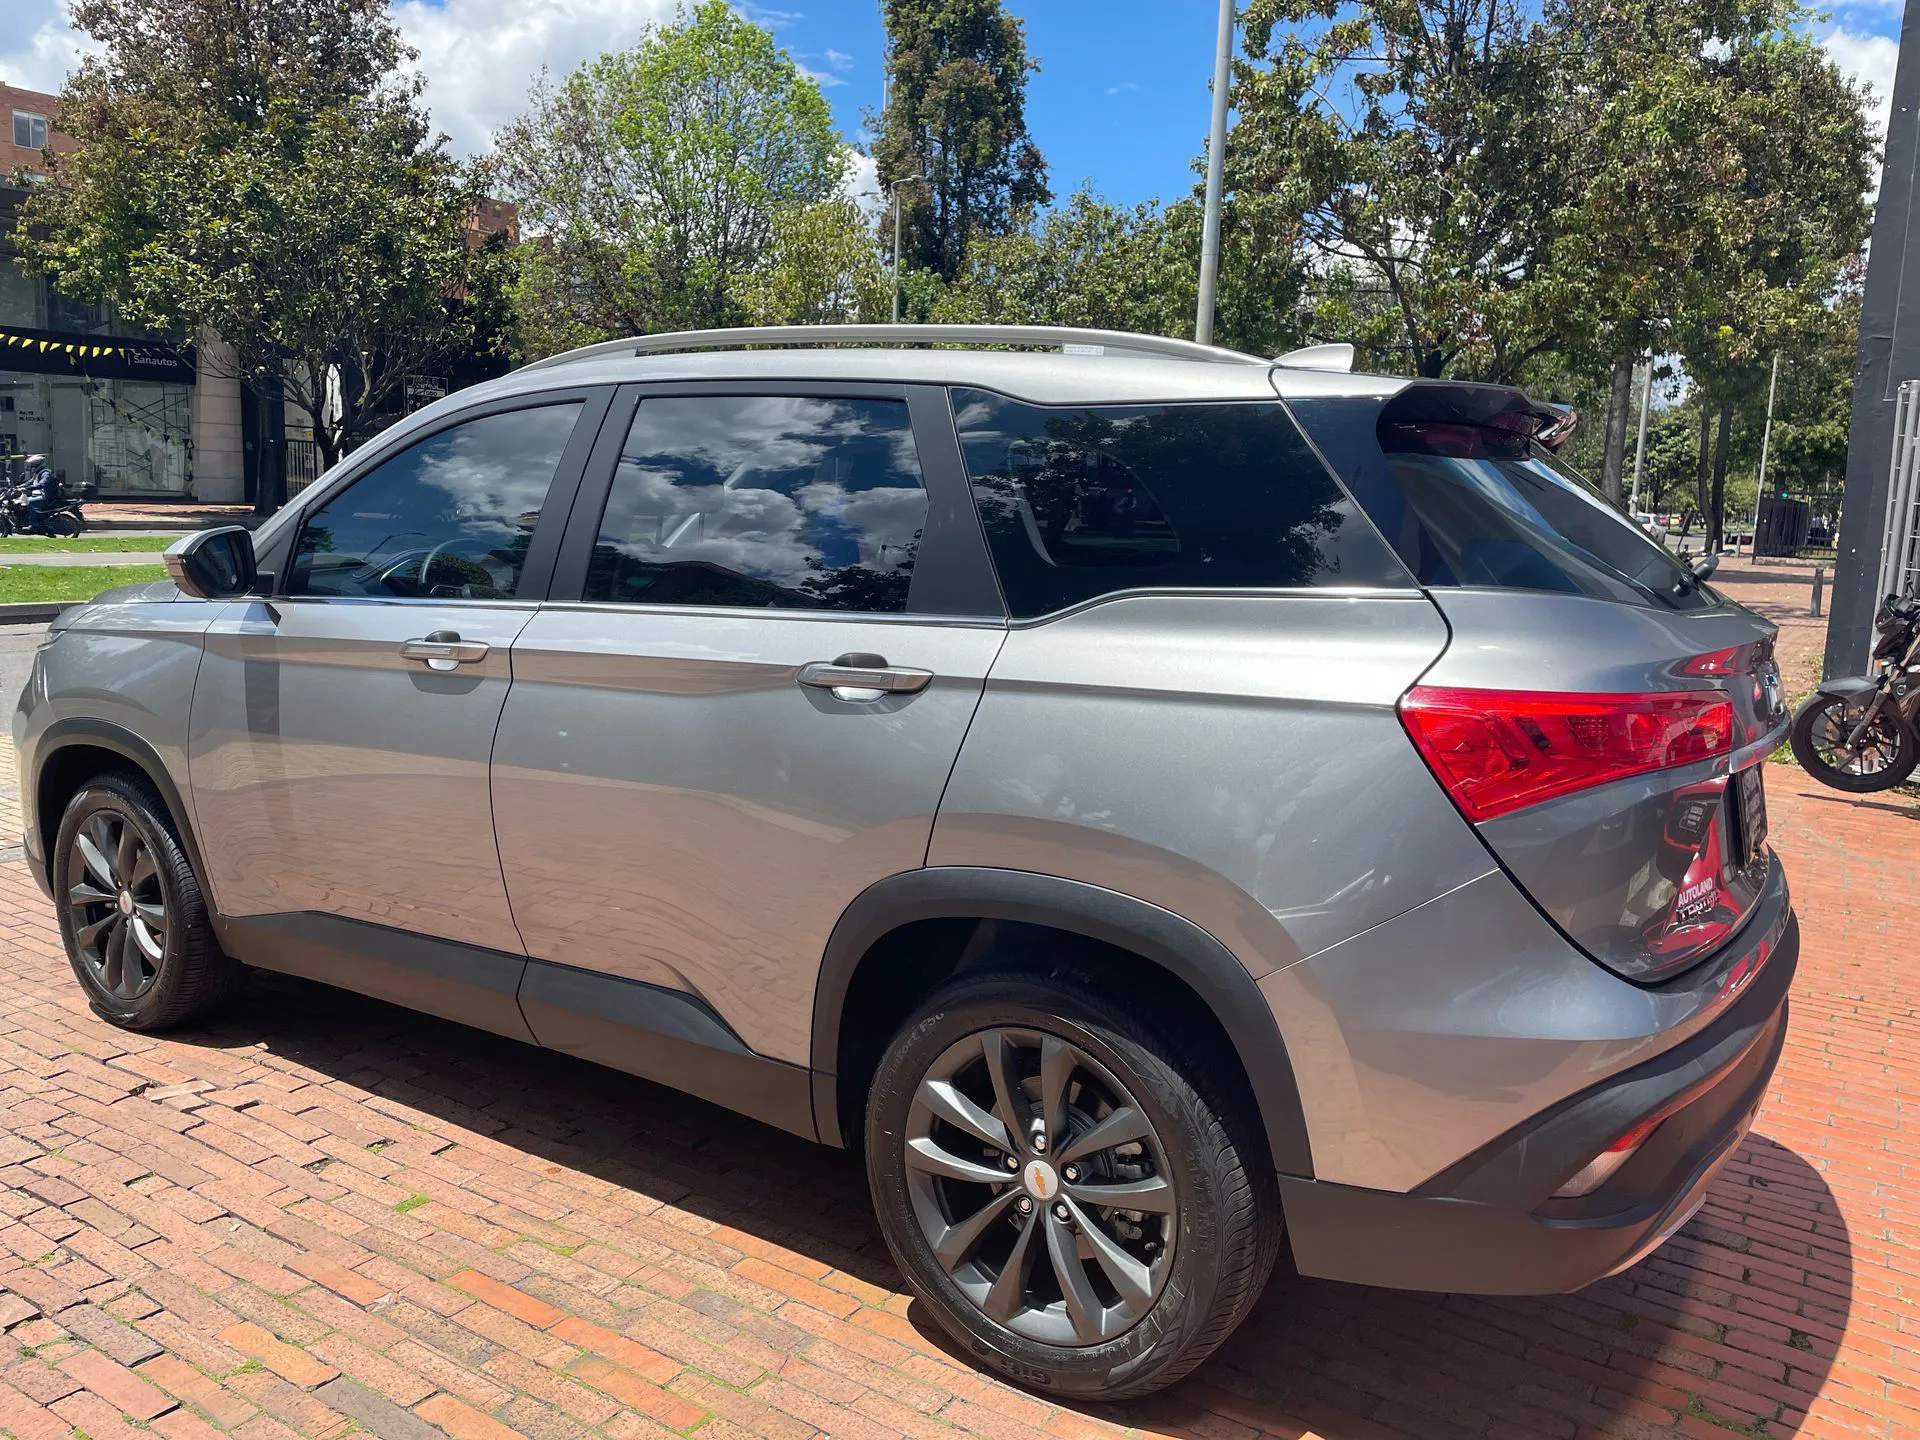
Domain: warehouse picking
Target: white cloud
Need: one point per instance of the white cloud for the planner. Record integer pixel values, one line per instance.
(38, 47)
(862, 183)
(839, 59)
(1869, 58)
(480, 56)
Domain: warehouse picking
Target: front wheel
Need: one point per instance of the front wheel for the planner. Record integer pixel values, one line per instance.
(1084, 1209)
(1885, 755)
(63, 524)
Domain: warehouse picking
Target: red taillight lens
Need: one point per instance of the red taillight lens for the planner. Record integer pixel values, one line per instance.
(1501, 750)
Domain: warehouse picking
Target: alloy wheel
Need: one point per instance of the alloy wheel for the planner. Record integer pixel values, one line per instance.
(1041, 1187)
(117, 905)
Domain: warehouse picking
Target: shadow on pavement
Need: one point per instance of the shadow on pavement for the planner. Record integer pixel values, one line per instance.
(1706, 1328)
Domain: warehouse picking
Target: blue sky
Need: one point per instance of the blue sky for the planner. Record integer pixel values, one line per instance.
(1121, 97)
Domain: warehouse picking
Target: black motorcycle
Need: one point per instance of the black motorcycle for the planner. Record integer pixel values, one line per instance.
(1857, 733)
(63, 520)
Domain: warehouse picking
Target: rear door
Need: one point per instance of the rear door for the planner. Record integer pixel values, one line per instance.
(772, 623)
(342, 730)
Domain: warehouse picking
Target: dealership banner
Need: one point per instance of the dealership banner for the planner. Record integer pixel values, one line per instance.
(94, 357)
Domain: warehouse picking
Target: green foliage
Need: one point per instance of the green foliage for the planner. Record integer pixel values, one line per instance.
(956, 116)
(655, 182)
(256, 169)
(23, 583)
(824, 269)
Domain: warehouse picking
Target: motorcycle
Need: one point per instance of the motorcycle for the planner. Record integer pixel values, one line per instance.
(64, 520)
(1857, 733)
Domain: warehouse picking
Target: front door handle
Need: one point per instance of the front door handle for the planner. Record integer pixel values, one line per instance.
(444, 650)
(863, 678)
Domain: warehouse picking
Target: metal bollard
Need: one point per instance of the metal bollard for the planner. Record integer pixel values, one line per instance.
(1819, 584)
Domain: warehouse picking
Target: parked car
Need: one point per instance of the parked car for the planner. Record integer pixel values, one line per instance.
(1161, 805)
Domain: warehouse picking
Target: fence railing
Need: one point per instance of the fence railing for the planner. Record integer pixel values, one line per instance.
(303, 465)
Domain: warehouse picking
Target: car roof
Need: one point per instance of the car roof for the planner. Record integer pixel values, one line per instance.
(1044, 378)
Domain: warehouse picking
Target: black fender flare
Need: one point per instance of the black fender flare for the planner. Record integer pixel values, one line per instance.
(1176, 945)
(1854, 689)
(65, 734)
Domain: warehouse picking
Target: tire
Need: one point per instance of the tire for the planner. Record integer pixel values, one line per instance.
(1195, 1271)
(63, 525)
(1820, 727)
(147, 896)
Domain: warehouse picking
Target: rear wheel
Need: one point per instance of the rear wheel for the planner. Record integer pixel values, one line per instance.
(1885, 755)
(63, 523)
(1083, 1209)
(135, 923)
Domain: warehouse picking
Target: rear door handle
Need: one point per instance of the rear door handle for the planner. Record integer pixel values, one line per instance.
(444, 650)
(863, 678)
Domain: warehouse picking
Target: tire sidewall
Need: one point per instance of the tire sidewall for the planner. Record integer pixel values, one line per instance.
(1196, 1279)
(113, 795)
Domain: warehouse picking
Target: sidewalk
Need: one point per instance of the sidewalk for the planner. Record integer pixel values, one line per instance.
(176, 517)
(327, 1210)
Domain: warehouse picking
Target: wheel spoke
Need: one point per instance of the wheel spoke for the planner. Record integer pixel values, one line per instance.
(85, 894)
(1121, 1127)
(1010, 1098)
(150, 944)
(1009, 1287)
(923, 1154)
(96, 862)
(128, 853)
(85, 937)
(154, 915)
(144, 870)
(961, 1236)
(957, 1110)
(1057, 1063)
(1083, 1306)
(1152, 1194)
(1130, 1278)
(114, 955)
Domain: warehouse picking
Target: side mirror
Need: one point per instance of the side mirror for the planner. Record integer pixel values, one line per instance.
(214, 564)
(1705, 566)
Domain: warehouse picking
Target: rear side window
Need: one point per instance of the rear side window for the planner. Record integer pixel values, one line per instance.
(1079, 502)
(1466, 498)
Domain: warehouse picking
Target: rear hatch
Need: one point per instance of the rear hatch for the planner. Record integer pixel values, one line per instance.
(1601, 717)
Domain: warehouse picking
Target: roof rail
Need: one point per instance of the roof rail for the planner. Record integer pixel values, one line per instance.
(1072, 340)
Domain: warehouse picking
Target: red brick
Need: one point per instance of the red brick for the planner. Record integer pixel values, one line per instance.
(635, 1392)
(282, 1359)
(463, 1422)
(504, 1297)
(602, 1341)
(117, 1385)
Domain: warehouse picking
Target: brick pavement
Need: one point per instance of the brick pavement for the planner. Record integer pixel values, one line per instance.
(326, 1213)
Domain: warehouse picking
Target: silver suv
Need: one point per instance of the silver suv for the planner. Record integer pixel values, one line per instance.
(1158, 802)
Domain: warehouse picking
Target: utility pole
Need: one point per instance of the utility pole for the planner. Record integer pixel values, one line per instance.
(896, 252)
(1640, 446)
(1766, 439)
(1216, 166)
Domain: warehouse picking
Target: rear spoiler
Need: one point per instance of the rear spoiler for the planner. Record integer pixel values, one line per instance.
(1500, 409)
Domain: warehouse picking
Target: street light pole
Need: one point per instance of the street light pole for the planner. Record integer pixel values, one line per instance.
(1216, 165)
(1766, 439)
(1640, 446)
(896, 252)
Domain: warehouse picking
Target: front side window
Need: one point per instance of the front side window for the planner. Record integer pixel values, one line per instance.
(449, 518)
(1082, 502)
(29, 131)
(763, 502)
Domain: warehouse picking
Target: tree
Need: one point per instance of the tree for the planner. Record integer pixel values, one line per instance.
(824, 269)
(956, 116)
(654, 181)
(1419, 144)
(255, 169)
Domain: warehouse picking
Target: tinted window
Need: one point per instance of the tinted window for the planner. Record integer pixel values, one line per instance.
(763, 501)
(1079, 503)
(448, 518)
(1516, 519)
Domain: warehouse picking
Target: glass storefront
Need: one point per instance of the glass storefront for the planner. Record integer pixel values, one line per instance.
(107, 437)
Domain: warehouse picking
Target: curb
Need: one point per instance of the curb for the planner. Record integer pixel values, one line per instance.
(35, 611)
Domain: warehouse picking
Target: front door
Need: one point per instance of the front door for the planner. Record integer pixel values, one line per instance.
(342, 729)
(751, 713)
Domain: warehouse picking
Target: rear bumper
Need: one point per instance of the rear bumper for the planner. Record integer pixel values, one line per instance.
(1490, 1225)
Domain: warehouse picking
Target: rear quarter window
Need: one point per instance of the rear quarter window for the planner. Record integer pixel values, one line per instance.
(1080, 502)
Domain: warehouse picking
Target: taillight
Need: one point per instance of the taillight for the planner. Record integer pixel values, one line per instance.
(1497, 751)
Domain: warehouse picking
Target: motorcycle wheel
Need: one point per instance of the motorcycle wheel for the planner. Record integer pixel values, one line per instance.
(63, 525)
(1887, 755)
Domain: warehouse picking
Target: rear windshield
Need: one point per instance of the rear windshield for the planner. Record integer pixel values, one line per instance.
(1479, 505)
(1079, 502)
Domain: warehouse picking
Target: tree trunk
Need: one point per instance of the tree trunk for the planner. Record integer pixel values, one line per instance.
(1619, 401)
(1701, 499)
(270, 489)
(1716, 519)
